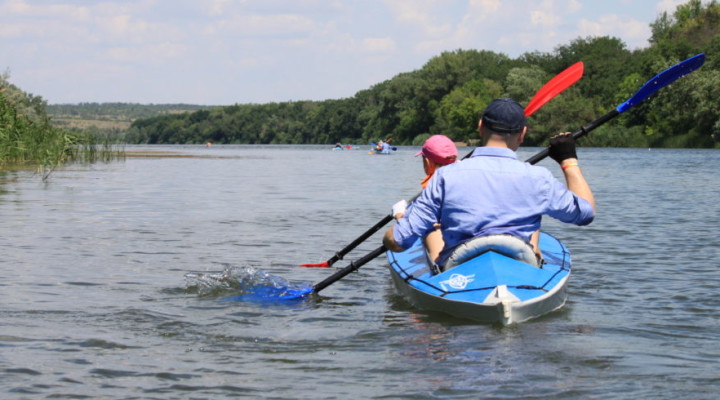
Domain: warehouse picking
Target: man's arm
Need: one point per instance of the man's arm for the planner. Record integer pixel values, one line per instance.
(562, 150)
(576, 181)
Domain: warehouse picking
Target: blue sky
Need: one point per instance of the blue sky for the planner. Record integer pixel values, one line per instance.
(220, 52)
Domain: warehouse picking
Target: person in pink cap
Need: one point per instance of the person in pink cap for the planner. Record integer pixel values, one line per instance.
(436, 152)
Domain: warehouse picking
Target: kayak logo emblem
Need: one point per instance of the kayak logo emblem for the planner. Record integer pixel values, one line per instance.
(457, 281)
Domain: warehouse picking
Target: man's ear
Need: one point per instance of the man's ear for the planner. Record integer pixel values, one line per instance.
(481, 131)
(521, 138)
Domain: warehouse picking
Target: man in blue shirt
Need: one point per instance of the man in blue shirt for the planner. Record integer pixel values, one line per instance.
(493, 192)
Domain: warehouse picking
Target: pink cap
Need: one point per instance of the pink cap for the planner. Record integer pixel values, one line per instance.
(440, 149)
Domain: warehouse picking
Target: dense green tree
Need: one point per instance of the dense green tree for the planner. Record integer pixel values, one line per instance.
(458, 114)
(607, 62)
(522, 82)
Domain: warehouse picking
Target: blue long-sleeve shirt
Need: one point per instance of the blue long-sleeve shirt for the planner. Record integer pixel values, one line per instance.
(492, 192)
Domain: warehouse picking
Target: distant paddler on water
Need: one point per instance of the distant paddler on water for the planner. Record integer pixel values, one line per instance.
(340, 146)
(382, 147)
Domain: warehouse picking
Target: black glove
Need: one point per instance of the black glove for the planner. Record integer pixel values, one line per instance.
(562, 147)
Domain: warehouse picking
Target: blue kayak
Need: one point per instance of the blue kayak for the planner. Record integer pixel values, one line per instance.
(380, 152)
(490, 287)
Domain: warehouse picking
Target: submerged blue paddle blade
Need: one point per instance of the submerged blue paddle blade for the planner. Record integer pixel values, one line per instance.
(271, 294)
(247, 284)
(663, 79)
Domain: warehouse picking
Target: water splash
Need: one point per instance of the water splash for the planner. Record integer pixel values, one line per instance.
(246, 284)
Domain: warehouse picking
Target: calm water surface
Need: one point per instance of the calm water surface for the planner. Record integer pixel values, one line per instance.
(94, 300)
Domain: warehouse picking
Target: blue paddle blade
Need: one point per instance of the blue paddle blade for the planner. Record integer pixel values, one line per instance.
(267, 294)
(663, 79)
(247, 284)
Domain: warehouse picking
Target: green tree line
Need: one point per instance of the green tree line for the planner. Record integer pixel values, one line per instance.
(448, 93)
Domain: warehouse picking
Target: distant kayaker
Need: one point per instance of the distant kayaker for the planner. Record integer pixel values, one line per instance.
(382, 147)
(493, 193)
(436, 152)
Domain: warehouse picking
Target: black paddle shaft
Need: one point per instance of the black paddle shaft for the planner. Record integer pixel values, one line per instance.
(354, 266)
(340, 254)
(577, 134)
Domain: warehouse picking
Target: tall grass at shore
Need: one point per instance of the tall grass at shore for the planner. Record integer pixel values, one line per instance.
(27, 139)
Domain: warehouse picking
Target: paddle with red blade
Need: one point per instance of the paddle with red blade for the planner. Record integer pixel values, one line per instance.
(554, 87)
(551, 89)
(658, 82)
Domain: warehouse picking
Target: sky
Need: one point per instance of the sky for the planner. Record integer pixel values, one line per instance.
(223, 52)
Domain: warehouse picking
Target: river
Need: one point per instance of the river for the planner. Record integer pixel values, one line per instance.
(98, 299)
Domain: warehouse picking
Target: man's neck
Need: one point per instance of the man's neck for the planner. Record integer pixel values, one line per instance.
(496, 142)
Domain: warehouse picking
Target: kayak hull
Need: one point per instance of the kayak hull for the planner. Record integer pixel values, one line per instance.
(489, 288)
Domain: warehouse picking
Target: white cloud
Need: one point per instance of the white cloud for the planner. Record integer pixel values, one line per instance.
(515, 27)
(572, 6)
(409, 11)
(378, 45)
(340, 43)
(484, 6)
(545, 19)
(217, 7)
(157, 53)
(123, 25)
(11, 31)
(633, 32)
(430, 17)
(668, 6)
(19, 8)
(264, 25)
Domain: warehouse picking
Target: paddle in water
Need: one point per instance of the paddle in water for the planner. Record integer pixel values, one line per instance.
(552, 88)
(279, 291)
(246, 284)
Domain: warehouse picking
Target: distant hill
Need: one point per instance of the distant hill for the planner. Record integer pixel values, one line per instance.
(111, 117)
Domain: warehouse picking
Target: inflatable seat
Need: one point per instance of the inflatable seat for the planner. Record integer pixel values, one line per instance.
(507, 245)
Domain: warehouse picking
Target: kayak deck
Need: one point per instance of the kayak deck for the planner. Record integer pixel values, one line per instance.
(487, 288)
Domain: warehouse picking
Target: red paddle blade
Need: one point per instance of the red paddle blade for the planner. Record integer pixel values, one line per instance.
(318, 265)
(555, 86)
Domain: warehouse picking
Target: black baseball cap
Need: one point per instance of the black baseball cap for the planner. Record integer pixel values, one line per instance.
(504, 116)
